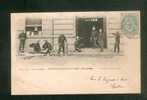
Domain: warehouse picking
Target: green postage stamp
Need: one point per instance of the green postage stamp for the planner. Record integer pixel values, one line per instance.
(130, 25)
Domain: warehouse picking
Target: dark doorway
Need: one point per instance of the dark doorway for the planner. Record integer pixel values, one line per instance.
(84, 29)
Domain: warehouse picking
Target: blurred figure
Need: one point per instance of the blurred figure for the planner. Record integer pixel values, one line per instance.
(101, 40)
(62, 42)
(22, 37)
(42, 46)
(94, 37)
(36, 47)
(77, 44)
(47, 47)
(117, 42)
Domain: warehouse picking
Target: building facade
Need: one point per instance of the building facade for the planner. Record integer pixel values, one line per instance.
(49, 26)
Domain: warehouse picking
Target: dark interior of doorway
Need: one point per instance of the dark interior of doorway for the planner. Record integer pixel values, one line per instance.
(84, 29)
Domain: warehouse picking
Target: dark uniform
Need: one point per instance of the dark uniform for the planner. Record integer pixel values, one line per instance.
(36, 47)
(48, 47)
(101, 41)
(117, 42)
(94, 38)
(61, 42)
(22, 38)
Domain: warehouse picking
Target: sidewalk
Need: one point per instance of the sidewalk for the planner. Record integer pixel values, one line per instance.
(86, 52)
(94, 52)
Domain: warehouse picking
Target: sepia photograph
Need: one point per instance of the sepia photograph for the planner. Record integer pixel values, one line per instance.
(93, 52)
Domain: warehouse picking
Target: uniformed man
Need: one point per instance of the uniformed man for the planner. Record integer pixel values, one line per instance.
(62, 42)
(93, 37)
(22, 38)
(117, 42)
(101, 40)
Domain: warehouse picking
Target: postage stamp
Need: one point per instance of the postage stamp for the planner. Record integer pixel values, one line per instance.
(130, 25)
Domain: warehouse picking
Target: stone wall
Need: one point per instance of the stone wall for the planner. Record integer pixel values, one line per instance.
(113, 26)
(53, 27)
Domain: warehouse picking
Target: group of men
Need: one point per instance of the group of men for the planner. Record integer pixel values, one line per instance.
(62, 42)
(46, 48)
(97, 39)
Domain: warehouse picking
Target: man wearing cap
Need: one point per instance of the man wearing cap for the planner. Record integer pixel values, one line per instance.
(62, 42)
(117, 42)
(22, 37)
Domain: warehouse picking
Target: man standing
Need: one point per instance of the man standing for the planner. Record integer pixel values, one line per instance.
(93, 37)
(62, 41)
(117, 42)
(101, 40)
(22, 38)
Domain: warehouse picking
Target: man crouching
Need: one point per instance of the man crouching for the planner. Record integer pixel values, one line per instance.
(45, 48)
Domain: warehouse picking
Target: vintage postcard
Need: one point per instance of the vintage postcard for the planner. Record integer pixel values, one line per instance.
(96, 52)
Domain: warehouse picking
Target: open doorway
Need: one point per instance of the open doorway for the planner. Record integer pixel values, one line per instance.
(84, 27)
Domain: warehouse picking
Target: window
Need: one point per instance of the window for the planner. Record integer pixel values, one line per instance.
(33, 27)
